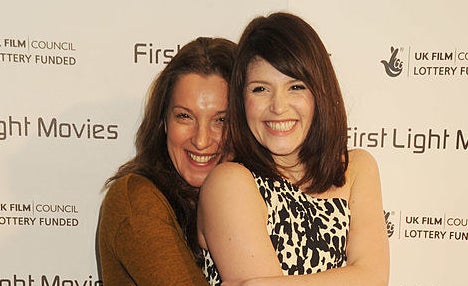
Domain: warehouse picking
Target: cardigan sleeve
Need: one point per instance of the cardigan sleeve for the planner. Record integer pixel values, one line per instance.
(148, 241)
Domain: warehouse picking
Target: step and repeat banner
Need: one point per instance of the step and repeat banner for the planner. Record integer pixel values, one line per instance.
(403, 69)
(74, 76)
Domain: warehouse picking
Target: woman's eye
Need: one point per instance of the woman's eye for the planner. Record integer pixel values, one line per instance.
(258, 89)
(220, 120)
(182, 116)
(298, 87)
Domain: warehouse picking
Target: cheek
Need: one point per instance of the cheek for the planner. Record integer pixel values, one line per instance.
(176, 135)
(306, 108)
(253, 108)
(217, 135)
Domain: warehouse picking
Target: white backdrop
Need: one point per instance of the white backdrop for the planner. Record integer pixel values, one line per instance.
(415, 123)
(73, 77)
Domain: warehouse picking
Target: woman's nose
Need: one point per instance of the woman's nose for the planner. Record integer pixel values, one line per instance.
(202, 137)
(278, 103)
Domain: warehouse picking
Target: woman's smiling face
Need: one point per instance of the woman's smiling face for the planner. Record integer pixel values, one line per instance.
(279, 109)
(194, 125)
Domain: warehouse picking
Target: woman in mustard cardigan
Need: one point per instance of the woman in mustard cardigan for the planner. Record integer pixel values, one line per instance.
(147, 229)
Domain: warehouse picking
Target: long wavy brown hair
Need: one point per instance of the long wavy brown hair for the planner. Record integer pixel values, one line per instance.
(293, 47)
(204, 56)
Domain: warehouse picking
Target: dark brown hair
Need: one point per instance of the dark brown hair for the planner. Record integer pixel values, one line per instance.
(202, 56)
(293, 47)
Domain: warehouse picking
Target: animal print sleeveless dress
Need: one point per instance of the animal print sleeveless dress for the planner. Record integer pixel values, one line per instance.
(308, 234)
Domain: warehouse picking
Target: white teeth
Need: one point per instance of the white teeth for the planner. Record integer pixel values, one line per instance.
(201, 159)
(281, 126)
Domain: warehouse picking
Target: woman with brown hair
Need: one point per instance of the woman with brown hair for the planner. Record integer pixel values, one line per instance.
(147, 228)
(294, 201)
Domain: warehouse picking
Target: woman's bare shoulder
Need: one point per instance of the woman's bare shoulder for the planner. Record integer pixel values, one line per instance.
(228, 171)
(361, 157)
(362, 164)
(226, 180)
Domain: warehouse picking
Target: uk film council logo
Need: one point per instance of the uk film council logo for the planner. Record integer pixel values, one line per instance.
(394, 66)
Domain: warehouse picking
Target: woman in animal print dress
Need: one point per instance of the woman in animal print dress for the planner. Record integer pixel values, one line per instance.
(295, 206)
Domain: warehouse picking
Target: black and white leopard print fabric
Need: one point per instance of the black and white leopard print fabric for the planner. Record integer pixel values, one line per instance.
(308, 234)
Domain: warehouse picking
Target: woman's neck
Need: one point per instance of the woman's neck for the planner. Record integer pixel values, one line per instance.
(291, 172)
